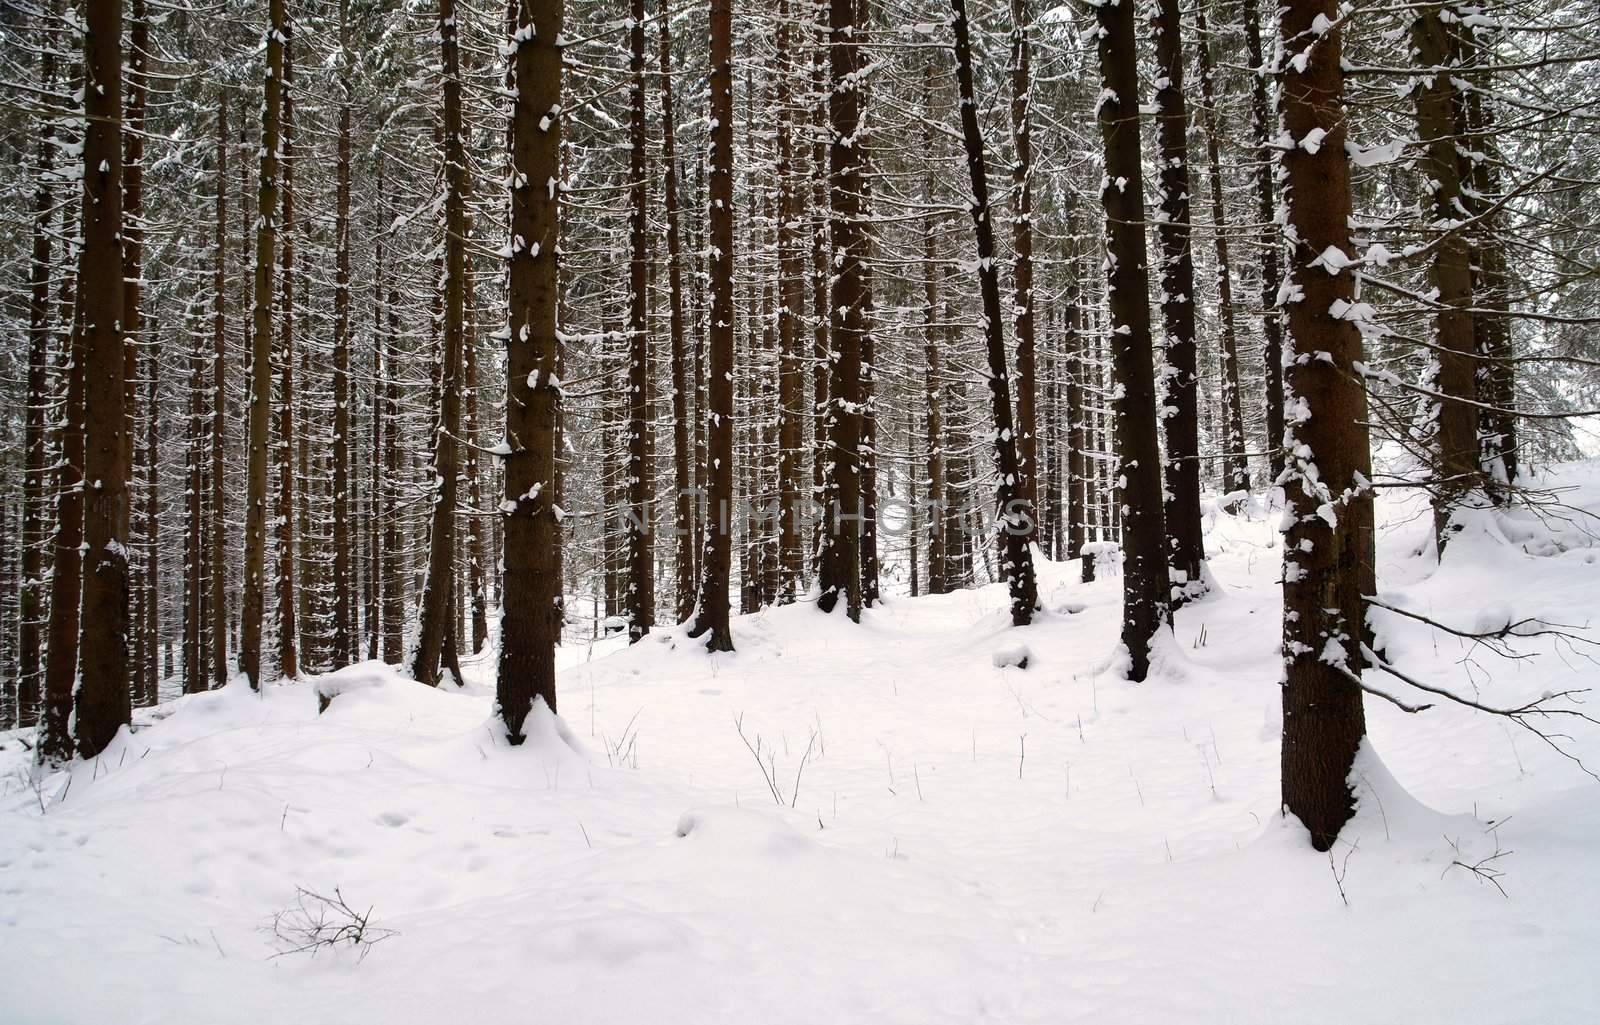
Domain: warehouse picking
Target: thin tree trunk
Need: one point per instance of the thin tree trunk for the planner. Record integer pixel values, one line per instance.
(254, 606)
(1145, 584)
(194, 669)
(394, 588)
(682, 457)
(1014, 510)
(1271, 271)
(66, 578)
(1180, 410)
(345, 638)
(101, 703)
(151, 628)
(219, 425)
(530, 618)
(933, 391)
(1492, 324)
(840, 570)
(141, 581)
(1323, 722)
(1022, 262)
(822, 318)
(1236, 466)
(640, 603)
(288, 623)
(435, 611)
(1454, 441)
(791, 306)
(711, 612)
(477, 543)
(35, 473)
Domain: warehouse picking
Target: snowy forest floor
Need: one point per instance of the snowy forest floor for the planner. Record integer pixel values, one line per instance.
(965, 843)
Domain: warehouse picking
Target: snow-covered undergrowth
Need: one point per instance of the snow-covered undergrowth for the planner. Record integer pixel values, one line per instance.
(932, 834)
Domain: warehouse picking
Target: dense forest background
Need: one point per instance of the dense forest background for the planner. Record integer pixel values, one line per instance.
(1054, 294)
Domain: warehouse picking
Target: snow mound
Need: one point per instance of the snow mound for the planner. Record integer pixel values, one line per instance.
(1015, 655)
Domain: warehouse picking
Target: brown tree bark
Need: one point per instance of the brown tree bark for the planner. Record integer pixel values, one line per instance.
(1236, 466)
(1180, 410)
(101, 702)
(217, 564)
(1453, 445)
(791, 307)
(288, 620)
(66, 578)
(1271, 270)
(682, 457)
(1015, 511)
(530, 619)
(35, 506)
(477, 542)
(394, 569)
(1323, 722)
(194, 653)
(141, 579)
(933, 392)
(435, 609)
(821, 249)
(149, 672)
(1145, 581)
(711, 611)
(1497, 384)
(345, 640)
(253, 610)
(639, 604)
(1079, 466)
(1028, 468)
(840, 568)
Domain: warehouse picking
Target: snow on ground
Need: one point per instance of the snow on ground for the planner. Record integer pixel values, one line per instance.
(967, 841)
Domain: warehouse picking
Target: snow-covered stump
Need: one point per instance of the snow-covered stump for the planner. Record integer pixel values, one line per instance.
(1106, 557)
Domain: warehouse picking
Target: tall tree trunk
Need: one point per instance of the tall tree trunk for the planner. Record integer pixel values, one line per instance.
(1180, 410)
(868, 436)
(933, 391)
(682, 465)
(345, 640)
(1022, 267)
(435, 611)
(66, 578)
(217, 566)
(1323, 722)
(376, 525)
(101, 703)
(151, 628)
(35, 506)
(791, 306)
(840, 570)
(253, 611)
(477, 543)
(1145, 581)
(1015, 511)
(394, 587)
(194, 654)
(141, 580)
(1236, 466)
(821, 249)
(1271, 271)
(1454, 440)
(640, 604)
(711, 612)
(1492, 323)
(1078, 465)
(530, 617)
(288, 622)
